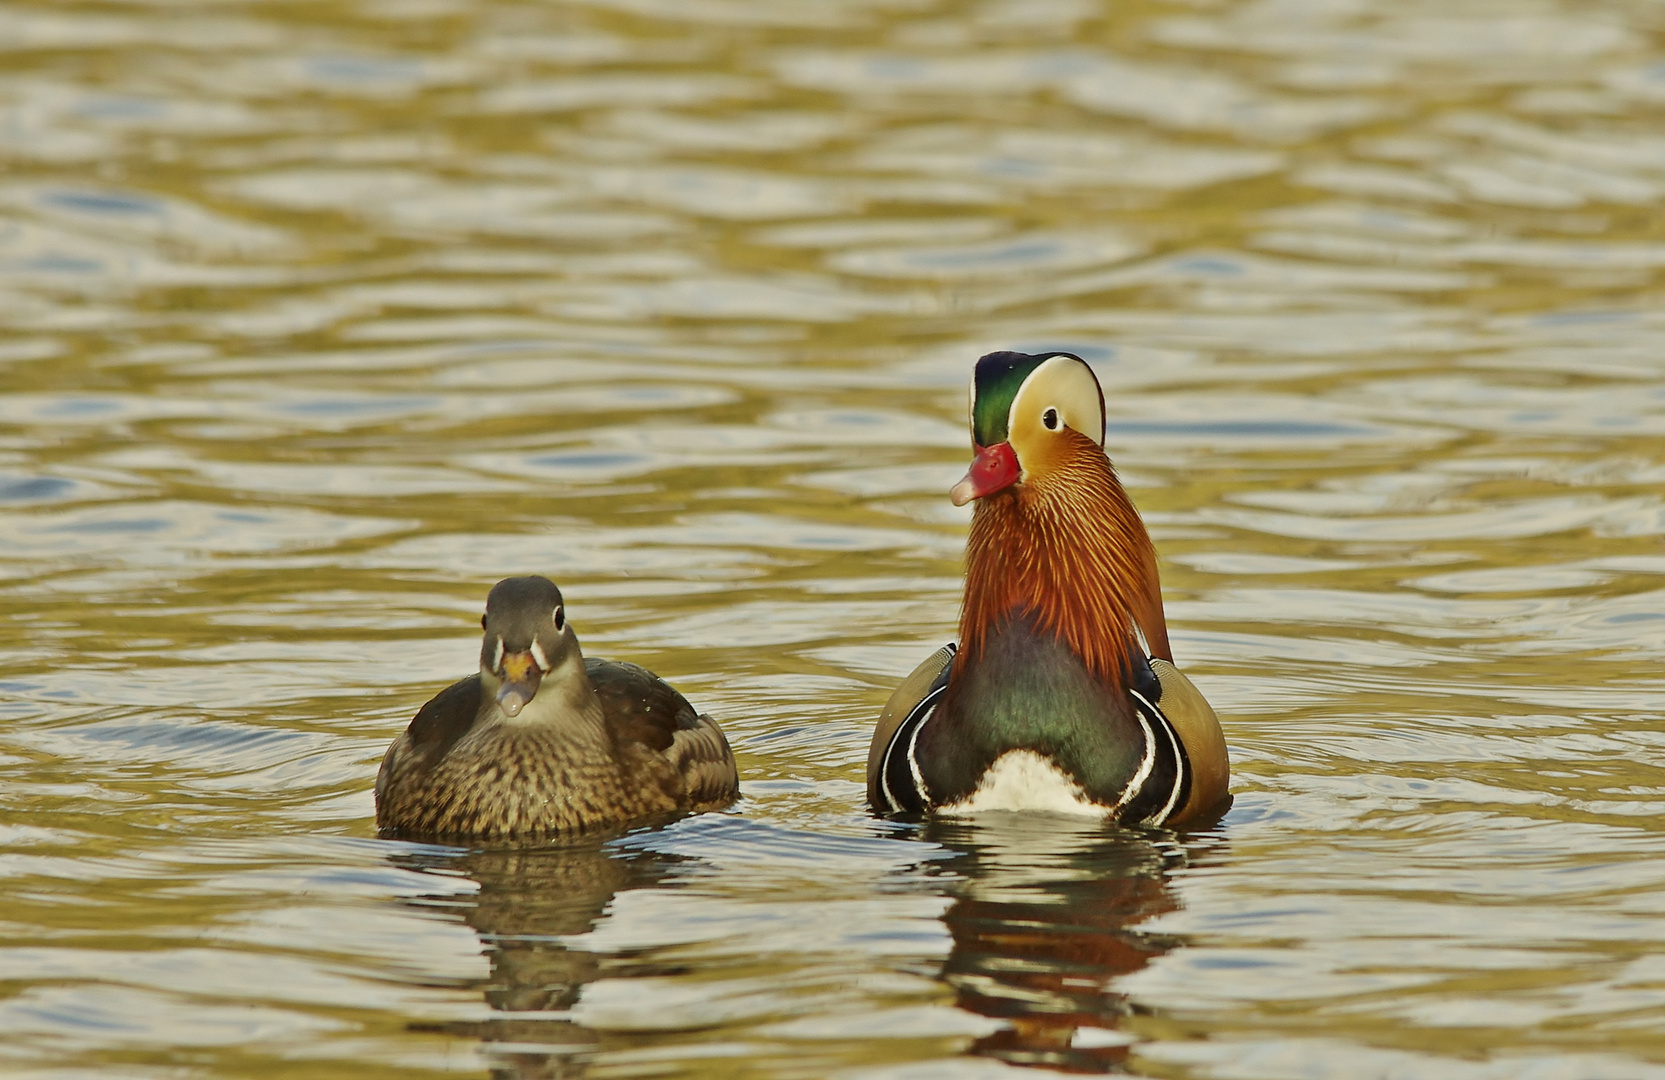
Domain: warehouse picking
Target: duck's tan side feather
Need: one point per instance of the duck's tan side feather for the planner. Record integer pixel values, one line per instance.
(702, 755)
(1205, 744)
(901, 703)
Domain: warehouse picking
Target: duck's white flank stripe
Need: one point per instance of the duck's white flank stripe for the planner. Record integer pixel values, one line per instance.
(913, 761)
(884, 777)
(909, 727)
(1146, 763)
(1025, 780)
(1179, 758)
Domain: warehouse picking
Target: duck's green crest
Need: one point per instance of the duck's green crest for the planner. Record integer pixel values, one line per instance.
(995, 384)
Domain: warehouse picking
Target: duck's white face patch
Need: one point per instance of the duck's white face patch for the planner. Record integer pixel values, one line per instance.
(1024, 780)
(1067, 389)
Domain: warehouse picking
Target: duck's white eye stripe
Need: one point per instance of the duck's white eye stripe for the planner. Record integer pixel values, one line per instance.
(497, 664)
(537, 654)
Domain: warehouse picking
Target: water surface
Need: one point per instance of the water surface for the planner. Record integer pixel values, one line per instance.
(322, 317)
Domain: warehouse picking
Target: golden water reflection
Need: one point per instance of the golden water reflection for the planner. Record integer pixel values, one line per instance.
(1044, 916)
(318, 318)
(530, 905)
(1047, 917)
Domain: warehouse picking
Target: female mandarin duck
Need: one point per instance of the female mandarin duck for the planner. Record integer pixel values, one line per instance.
(542, 742)
(1063, 695)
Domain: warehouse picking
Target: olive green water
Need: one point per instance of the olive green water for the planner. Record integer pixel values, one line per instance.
(321, 317)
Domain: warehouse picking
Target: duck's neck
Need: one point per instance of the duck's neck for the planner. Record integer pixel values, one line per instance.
(1069, 555)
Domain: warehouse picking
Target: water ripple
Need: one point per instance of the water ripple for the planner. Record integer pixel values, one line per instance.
(322, 320)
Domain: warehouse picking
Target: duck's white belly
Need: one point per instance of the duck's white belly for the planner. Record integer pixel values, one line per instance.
(1025, 780)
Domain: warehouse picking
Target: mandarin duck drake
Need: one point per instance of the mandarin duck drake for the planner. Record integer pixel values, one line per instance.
(541, 742)
(1062, 694)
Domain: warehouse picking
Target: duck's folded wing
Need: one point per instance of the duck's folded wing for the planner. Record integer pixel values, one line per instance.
(902, 705)
(640, 706)
(643, 708)
(1198, 729)
(702, 755)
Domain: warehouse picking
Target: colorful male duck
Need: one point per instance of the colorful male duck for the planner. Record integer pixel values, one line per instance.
(542, 742)
(1063, 694)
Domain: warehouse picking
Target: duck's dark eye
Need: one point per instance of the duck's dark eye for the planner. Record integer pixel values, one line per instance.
(560, 616)
(482, 622)
(1050, 419)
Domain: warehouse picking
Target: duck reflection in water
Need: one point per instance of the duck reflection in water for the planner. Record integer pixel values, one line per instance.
(530, 903)
(1045, 919)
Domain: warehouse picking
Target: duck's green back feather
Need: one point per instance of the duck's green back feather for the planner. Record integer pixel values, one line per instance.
(1029, 691)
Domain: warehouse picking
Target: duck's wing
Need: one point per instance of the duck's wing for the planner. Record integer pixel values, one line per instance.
(432, 732)
(1193, 720)
(888, 764)
(701, 753)
(644, 709)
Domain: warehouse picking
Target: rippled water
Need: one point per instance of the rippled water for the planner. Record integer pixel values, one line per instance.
(320, 318)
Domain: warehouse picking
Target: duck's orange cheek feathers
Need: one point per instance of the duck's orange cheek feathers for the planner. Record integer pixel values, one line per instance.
(995, 468)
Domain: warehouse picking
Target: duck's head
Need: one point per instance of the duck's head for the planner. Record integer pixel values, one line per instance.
(1029, 411)
(527, 637)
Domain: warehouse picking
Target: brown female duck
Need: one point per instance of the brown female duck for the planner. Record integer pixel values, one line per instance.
(542, 742)
(1063, 694)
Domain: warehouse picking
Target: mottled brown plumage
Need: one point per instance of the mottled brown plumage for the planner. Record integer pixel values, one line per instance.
(542, 742)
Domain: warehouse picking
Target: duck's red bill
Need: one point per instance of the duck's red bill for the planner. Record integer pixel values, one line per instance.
(993, 469)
